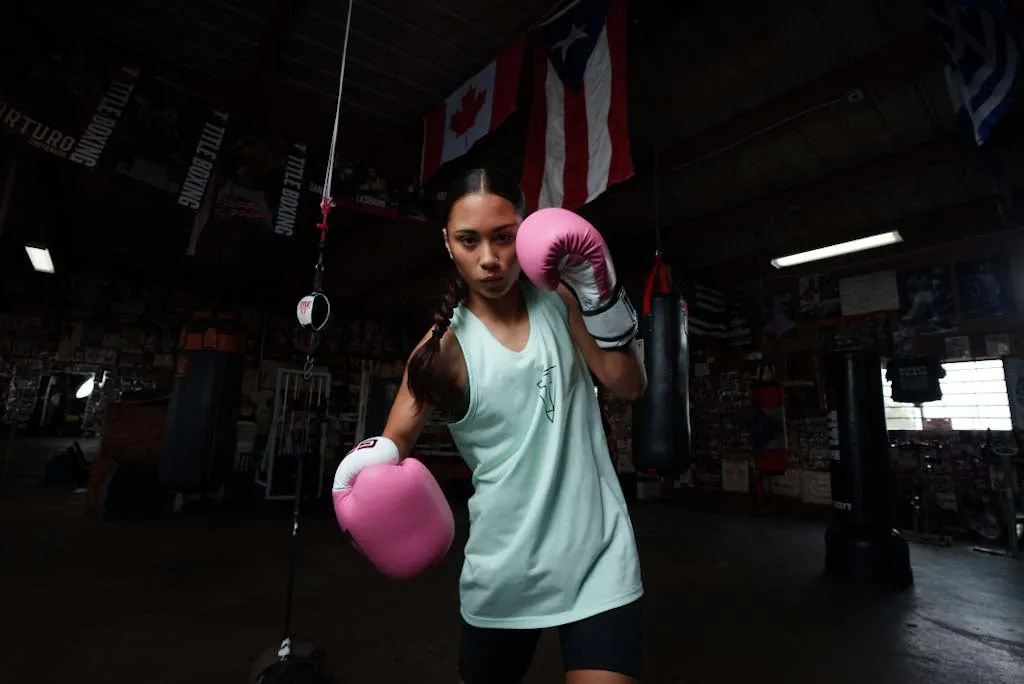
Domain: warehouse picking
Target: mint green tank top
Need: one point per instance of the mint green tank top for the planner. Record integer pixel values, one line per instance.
(550, 540)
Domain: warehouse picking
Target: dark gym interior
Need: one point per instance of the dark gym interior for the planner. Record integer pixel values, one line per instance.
(814, 207)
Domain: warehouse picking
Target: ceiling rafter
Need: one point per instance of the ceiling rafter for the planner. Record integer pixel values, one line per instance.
(925, 230)
(820, 190)
(900, 60)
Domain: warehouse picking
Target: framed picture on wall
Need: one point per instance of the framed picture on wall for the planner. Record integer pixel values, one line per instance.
(818, 295)
(985, 287)
(926, 299)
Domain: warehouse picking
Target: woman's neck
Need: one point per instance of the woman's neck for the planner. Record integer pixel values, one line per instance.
(510, 307)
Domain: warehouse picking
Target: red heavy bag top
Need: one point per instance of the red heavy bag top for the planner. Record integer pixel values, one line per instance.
(659, 281)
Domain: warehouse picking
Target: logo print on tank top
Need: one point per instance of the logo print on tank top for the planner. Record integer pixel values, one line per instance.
(547, 394)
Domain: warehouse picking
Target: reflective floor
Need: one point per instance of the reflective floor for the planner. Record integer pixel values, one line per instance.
(730, 597)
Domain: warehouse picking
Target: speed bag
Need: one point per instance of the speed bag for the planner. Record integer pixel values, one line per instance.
(661, 417)
(771, 455)
(202, 419)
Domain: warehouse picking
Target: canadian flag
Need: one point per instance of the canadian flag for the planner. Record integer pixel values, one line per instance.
(479, 106)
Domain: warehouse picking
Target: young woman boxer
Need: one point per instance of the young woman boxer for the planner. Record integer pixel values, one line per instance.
(513, 362)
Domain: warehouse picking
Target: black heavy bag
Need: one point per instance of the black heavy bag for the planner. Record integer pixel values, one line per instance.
(202, 419)
(861, 541)
(661, 418)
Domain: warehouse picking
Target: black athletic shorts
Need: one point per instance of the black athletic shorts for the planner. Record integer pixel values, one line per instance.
(608, 641)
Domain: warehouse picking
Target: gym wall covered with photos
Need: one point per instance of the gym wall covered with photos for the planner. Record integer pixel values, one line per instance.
(128, 335)
(758, 355)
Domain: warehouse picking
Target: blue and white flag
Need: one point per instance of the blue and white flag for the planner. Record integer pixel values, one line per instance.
(984, 60)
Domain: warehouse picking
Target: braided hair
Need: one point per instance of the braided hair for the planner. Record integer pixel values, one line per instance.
(427, 383)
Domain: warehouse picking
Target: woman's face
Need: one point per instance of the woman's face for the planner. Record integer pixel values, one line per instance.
(481, 239)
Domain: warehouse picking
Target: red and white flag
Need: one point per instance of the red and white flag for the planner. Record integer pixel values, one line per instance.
(577, 144)
(479, 106)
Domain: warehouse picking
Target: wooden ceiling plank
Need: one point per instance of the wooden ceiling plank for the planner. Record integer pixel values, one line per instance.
(877, 203)
(899, 61)
(934, 93)
(902, 162)
(356, 34)
(809, 41)
(865, 129)
(904, 113)
(472, 24)
(854, 25)
(382, 73)
(444, 42)
(823, 133)
(325, 79)
(899, 17)
(774, 63)
(908, 195)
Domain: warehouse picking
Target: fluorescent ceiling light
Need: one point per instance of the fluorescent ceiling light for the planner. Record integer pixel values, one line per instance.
(40, 258)
(859, 245)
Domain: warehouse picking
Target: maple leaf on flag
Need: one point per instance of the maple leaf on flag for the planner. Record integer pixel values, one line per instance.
(470, 106)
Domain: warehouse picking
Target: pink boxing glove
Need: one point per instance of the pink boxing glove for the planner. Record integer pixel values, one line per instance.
(396, 512)
(558, 245)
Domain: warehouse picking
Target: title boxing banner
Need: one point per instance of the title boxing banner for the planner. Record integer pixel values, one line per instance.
(157, 138)
(204, 159)
(93, 141)
(291, 192)
(258, 195)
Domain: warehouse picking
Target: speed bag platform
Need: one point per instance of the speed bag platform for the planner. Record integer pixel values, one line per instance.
(202, 419)
(661, 417)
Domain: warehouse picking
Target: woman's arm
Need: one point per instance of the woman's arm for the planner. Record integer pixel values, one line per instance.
(406, 420)
(620, 371)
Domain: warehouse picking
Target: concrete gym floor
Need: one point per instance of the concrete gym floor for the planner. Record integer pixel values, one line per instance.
(730, 597)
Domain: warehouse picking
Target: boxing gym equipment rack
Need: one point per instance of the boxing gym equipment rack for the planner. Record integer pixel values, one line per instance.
(294, 391)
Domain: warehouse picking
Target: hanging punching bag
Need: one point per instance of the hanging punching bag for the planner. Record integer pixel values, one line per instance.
(861, 542)
(661, 418)
(202, 419)
(771, 455)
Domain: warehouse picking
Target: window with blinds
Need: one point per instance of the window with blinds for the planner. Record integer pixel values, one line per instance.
(974, 397)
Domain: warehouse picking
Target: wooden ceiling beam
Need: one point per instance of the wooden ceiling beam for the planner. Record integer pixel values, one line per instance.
(251, 88)
(899, 61)
(819, 191)
(925, 230)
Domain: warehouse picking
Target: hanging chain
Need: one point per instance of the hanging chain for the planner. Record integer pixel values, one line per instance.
(318, 285)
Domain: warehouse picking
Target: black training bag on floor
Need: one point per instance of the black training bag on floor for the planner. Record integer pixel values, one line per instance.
(306, 664)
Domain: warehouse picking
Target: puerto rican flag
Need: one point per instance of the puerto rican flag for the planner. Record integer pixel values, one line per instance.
(480, 105)
(577, 144)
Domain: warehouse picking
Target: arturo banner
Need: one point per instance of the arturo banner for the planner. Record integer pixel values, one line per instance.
(68, 109)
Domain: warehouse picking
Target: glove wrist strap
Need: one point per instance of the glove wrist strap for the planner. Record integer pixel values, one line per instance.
(615, 323)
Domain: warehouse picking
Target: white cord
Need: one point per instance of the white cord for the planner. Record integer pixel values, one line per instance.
(329, 176)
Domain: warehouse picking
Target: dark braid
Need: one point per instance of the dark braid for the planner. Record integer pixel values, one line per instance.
(454, 293)
(428, 383)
